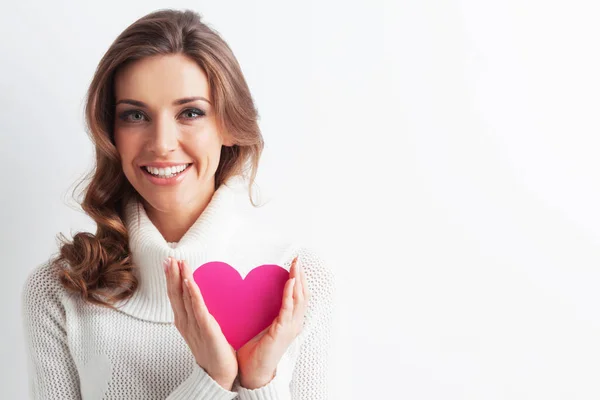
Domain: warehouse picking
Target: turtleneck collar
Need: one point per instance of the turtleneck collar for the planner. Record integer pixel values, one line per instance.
(205, 240)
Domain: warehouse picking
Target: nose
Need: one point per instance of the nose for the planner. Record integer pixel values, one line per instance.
(164, 137)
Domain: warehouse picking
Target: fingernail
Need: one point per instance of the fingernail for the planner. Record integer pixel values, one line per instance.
(166, 264)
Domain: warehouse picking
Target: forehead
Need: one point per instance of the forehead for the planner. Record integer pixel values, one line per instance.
(161, 79)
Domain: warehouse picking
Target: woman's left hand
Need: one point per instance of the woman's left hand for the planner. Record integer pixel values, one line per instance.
(258, 359)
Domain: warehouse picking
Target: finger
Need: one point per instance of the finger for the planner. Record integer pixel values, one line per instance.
(186, 273)
(198, 305)
(174, 290)
(294, 273)
(297, 294)
(294, 268)
(188, 302)
(287, 304)
(298, 299)
(169, 278)
(304, 284)
(176, 278)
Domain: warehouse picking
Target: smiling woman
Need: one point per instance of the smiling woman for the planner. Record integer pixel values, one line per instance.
(117, 314)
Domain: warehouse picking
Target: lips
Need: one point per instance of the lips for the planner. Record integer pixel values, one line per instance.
(165, 164)
(162, 176)
(168, 180)
(145, 168)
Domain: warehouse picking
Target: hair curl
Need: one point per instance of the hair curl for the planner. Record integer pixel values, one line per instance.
(98, 267)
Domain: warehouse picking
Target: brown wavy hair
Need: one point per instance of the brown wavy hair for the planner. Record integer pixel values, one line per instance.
(98, 267)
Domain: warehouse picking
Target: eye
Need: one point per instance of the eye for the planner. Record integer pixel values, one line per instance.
(191, 111)
(138, 114)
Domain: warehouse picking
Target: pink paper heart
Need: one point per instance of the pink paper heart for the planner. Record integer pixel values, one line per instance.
(242, 307)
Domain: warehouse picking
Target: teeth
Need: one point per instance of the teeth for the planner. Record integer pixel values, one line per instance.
(166, 171)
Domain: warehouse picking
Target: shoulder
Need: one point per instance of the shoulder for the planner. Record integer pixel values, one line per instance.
(42, 287)
(318, 270)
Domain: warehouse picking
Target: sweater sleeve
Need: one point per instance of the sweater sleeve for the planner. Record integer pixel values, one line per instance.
(303, 372)
(200, 386)
(52, 372)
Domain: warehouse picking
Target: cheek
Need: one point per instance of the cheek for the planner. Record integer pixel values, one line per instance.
(127, 148)
(206, 144)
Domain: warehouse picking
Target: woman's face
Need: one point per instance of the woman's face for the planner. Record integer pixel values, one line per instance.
(164, 115)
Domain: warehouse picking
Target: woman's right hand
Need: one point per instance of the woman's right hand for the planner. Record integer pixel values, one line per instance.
(198, 327)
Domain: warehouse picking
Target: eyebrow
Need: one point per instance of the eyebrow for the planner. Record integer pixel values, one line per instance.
(177, 102)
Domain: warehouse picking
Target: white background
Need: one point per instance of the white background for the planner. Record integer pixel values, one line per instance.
(441, 154)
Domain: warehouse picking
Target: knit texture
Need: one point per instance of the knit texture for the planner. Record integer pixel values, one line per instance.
(77, 350)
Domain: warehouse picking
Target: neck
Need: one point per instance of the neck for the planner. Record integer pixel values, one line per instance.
(175, 220)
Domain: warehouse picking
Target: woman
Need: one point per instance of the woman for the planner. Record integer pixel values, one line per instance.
(117, 314)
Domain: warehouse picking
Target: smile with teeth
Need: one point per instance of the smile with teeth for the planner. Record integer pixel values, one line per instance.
(167, 172)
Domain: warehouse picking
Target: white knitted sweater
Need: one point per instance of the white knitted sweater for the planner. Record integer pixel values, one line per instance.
(81, 351)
